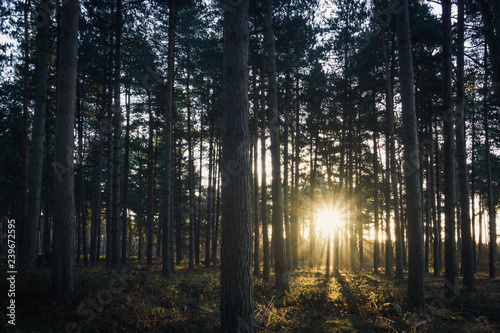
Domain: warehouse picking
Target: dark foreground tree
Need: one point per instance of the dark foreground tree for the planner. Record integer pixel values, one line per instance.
(64, 213)
(467, 254)
(236, 277)
(416, 272)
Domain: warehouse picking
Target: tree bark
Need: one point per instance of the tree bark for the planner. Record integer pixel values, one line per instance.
(190, 174)
(209, 190)
(467, 255)
(236, 277)
(125, 180)
(117, 111)
(167, 224)
(294, 221)
(286, 207)
(265, 230)
(416, 273)
(256, 221)
(376, 243)
(27, 244)
(280, 266)
(389, 100)
(27, 253)
(451, 274)
(150, 206)
(63, 278)
(491, 208)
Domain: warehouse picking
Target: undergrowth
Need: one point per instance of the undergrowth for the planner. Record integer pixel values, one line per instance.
(138, 299)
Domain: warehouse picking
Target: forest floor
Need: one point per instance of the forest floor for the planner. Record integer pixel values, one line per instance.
(138, 299)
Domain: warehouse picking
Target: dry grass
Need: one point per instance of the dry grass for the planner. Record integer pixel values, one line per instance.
(189, 302)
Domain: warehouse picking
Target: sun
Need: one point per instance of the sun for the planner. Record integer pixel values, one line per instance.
(328, 221)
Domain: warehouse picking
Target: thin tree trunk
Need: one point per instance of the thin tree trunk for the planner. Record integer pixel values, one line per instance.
(125, 180)
(117, 111)
(190, 175)
(27, 241)
(198, 208)
(109, 166)
(451, 274)
(280, 265)
(388, 145)
(416, 273)
(312, 226)
(437, 229)
(139, 215)
(167, 186)
(473, 191)
(46, 225)
(286, 209)
(394, 177)
(179, 218)
(491, 208)
(294, 222)
(209, 190)
(217, 176)
(255, 210)
(80, 194)
(150, 205)
(376, 242)
(265, 231)
(27, 253)
(64, 219)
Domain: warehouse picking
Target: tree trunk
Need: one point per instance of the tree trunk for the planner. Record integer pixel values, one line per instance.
(109, 166)
(115, 217)
(178, 213)
(312, 226)
(64, 219)
(491, 208)
(27, 238)
(209, 190)
(389, 111)
(265, 230)
(80, 194)
(280, 265)
(393, 173)
(150, 205)
(490, 12)
(286, 208)
(236, 278)
(198, 208)
(416, 273)
(217, 176)
(96, 209)
(190, 175)
(256, 224)
(294, 222)
(167, 223)
(27, 253)
(376, 243)
(125, 180)
(438, 246)
(46, 224)
(451, 274)
(467, 255)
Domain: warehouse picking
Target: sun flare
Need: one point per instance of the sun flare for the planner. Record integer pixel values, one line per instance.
(328, 221)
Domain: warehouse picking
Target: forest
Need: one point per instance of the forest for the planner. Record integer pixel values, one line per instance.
(249, 166)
